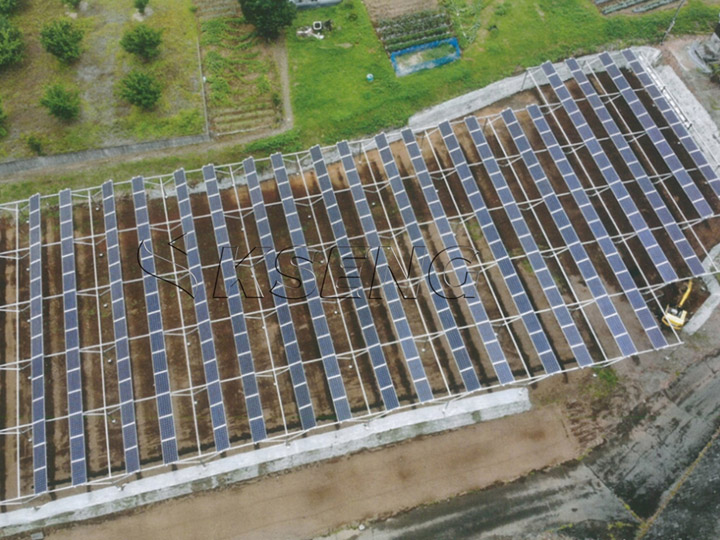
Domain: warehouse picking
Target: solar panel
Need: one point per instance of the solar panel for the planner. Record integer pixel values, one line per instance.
(522, 231)
(611, 317)
(122, 344)
(649, 242)
(202, 314)
(362, 308)
(78, 471)
(674, 121)
(658, 140)
(287, 329)
(399, 319)
(168, 441)
(442, 307)
(598, 230)
(311, 288)
(656, 201)
(248, 378)
(37, 351)
(512, 280)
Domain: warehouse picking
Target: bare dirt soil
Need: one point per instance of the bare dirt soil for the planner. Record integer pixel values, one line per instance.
(317, 499)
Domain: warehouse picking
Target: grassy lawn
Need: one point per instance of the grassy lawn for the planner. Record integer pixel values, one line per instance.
(104, 120)
(332, 100)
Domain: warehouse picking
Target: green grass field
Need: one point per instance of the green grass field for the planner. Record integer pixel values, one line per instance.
(332, 100)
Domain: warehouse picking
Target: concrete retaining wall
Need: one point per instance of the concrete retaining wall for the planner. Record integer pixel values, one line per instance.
(19, 165)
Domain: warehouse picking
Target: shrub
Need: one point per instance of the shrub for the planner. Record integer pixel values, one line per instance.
(268, 16)
(35, 144)
(62, 38)
(140, 5)
(142, 41)
(8, 6)
(140, 89)
(12, 45)
(72, 3)
(62, 103)
(715, 73)
(3, 118)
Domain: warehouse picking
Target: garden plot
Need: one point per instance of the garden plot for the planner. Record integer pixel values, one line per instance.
(242, 79)
(631, 6)
(389, 9)
(413, 29)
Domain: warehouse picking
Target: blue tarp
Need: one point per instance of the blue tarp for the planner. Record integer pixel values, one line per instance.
(407, 70)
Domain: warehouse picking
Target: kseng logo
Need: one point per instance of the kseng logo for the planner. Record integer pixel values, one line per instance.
(340, 272)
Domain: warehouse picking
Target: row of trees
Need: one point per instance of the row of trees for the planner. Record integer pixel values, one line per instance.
(63, 103)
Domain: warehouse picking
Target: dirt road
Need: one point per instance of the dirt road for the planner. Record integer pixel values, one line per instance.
(319, 499)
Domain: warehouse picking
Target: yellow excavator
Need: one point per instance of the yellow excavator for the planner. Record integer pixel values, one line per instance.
(675, 316)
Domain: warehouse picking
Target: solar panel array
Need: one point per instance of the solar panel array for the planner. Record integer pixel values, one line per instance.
(600, 233)
(202, 313)
(279, 296)
(37, 351)
(312, 292)
(120, 327)
(575, 247)
(487, 186)
(517, 290)
(251, 391)
(672, 118)
(652, 195)
(489, 337)
(362, 308)
(653, 132)
(442, 306)
(78, 470)
(611, 176)
(163, 398)
(522, 231)
(397, 312)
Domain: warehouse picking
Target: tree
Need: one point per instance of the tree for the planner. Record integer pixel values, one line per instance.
(140, 5)
(268, 16)
(62, 38)
(140, 89)
(142, 41)
(62, 103)
(12, 45)
(8, 6)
